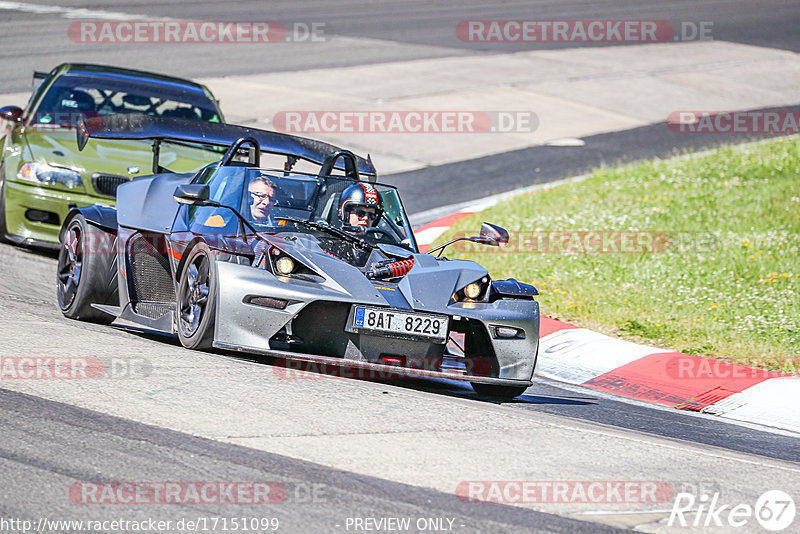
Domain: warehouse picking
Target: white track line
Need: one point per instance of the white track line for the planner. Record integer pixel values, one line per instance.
(73, 13)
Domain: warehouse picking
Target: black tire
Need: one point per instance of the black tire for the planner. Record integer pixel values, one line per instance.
(87, 271)
(196, 302)
(498, 392)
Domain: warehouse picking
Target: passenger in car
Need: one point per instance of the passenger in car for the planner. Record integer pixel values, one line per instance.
(361, 205)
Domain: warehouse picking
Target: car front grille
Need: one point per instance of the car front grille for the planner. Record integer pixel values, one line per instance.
(106, 184)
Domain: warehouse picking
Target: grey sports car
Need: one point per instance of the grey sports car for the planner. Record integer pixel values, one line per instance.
(246, 258)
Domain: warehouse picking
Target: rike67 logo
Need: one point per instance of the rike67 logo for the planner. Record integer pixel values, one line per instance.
(774, 510)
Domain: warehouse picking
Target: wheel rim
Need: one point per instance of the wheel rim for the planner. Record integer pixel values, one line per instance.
(70, 264)
(194, 295)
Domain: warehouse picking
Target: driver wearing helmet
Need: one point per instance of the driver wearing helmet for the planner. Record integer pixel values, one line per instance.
(361, 206)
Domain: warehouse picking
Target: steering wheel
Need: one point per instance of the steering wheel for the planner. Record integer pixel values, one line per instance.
(375, 230)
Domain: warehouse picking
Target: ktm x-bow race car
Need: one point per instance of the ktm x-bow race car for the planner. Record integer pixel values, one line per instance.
(199, 255)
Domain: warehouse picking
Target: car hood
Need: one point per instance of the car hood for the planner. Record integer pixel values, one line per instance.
(121, 158)
(428, 286)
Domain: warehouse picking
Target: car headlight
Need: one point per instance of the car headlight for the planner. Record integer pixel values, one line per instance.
(42, 173)
(281, 264)
(284, 265)
(473, 290)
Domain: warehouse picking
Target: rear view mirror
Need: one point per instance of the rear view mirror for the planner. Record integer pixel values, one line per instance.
(493, 235)
(192, 194)
(10, 113)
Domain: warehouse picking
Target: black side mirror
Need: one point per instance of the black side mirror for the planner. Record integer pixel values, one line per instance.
(10, 113)
(490, 235)
(192, 194)
(493, 235)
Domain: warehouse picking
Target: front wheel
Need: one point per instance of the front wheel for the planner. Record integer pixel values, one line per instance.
(498, 392)
(86, 272)
(196, 299)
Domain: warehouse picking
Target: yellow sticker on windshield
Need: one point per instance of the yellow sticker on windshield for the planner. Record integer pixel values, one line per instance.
(215, 221)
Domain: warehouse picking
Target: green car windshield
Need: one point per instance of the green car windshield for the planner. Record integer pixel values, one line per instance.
(73, 97)
(265, 196)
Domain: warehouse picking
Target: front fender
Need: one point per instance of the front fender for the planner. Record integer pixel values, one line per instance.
(103, 217)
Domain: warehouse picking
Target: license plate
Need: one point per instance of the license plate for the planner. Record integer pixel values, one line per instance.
(401, 324)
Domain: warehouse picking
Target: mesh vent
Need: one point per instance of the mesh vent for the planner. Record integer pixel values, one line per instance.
(106, 184)
(153, 310)
(151, 277)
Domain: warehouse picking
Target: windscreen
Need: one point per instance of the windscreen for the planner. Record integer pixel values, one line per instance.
(270, 195)
(71, 98)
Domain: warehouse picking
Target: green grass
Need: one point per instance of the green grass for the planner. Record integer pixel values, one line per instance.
(722, 275)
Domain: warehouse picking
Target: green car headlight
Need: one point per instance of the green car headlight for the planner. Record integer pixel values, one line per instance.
(42, 173)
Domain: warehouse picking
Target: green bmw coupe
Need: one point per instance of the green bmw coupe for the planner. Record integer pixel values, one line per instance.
(42, 173)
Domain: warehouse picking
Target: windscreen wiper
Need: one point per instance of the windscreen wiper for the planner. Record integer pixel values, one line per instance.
(328, 229)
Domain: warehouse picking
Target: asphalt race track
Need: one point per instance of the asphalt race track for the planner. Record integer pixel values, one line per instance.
(375, 448)
(134, 451)
(398, 30)
(342, 447)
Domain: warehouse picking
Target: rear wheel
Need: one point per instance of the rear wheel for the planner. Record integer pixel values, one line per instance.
(196, 299)
(498, 392)
(86, 272)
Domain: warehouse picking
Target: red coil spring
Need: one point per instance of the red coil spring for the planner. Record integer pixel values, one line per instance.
(399, 268)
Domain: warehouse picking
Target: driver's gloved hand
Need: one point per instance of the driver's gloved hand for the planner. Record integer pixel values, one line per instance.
(357, 230)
